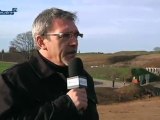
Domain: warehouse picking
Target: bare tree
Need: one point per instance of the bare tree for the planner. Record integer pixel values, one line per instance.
(24, 43)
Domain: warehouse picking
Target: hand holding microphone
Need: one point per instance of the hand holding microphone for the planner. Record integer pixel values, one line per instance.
(79, 98)
(77, 84)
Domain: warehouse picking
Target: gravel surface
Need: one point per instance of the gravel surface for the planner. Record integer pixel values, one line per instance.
(109, 83)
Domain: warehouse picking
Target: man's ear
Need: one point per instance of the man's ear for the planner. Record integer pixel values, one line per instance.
(40, 42)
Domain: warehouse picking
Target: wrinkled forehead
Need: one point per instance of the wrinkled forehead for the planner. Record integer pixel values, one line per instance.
(63, 25)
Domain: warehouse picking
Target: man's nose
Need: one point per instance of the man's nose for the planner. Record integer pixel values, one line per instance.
(73, 40)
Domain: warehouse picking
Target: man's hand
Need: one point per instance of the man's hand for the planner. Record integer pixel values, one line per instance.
(79, 98)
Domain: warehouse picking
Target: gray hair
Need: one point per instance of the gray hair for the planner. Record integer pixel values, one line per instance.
(43, 21)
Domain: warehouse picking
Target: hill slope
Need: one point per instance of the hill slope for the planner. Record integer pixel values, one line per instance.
(132, 58)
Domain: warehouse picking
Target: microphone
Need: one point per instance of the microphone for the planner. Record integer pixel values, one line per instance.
(76, 78)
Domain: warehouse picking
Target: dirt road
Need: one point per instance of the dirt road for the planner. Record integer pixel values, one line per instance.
(147, 109)
(108, 83)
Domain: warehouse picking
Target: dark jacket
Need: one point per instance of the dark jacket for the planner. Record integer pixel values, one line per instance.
(36, 90)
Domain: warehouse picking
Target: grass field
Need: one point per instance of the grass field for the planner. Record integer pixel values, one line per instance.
(109, 73)
(5, 65)
(105, 72)
(113, 66)
(100, 66)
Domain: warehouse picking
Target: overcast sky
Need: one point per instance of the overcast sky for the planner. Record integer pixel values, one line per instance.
(108, 25)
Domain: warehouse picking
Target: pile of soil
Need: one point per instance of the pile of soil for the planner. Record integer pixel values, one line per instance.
(107, 95)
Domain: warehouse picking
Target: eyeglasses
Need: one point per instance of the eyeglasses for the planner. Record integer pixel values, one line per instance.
(66, 36)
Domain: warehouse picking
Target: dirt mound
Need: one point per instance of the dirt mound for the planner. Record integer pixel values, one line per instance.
(107, 95)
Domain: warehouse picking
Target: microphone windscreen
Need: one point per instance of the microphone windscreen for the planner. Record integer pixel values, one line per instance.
(75, 67)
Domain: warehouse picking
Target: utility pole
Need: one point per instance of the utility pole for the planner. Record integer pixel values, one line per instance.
(2, 54)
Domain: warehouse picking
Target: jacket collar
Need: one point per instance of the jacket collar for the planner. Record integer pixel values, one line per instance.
(43, 67)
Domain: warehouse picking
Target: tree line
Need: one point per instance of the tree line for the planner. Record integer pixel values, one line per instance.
(24, 44)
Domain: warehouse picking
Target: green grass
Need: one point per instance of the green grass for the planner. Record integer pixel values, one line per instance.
(5, 65)
(110, 73)
(105, 73)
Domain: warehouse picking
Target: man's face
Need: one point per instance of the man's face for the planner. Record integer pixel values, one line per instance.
(61, 49)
